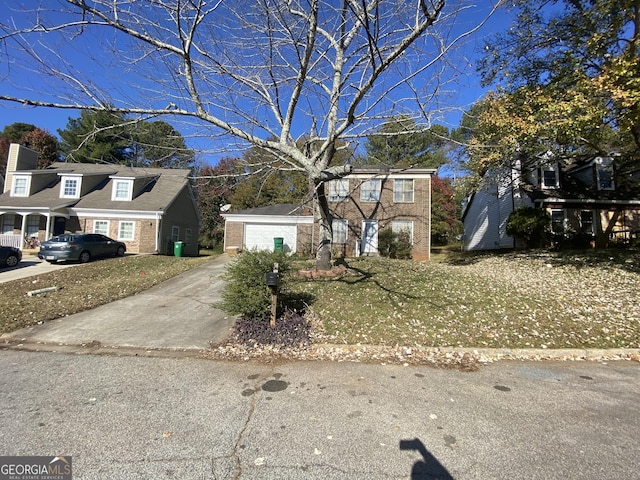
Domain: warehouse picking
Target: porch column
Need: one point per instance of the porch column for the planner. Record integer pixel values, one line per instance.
(24, 226)
(48, 226)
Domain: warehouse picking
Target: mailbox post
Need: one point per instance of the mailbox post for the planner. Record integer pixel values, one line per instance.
(272, 283)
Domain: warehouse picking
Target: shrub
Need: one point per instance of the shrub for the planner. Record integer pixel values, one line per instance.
(394, 245)
(529, 224)
(245, 292)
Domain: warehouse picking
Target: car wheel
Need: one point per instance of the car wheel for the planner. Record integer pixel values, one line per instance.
(12, 261)
(120, 251)
(84, 257)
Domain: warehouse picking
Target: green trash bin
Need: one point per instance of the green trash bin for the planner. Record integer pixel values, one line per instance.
(177, 249)
(278, 244)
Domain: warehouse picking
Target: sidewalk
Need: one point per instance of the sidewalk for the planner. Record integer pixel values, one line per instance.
(176, 315)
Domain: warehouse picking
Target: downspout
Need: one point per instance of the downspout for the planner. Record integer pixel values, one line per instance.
(158, 230)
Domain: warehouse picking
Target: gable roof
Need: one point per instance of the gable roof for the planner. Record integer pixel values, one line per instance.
(160, 188)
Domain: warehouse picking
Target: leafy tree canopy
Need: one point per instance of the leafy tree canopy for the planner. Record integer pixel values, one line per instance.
(215, 185)
(107, 137)
(268, 181)
(571, 83)
(31, 136)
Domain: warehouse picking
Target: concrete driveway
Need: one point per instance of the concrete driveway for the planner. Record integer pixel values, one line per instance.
(29, 266)
(174, 315)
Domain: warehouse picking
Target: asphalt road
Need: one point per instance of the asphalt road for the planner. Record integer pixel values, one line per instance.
(186, 418)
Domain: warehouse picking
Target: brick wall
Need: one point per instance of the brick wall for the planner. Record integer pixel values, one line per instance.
(233, 236)
(385, 211)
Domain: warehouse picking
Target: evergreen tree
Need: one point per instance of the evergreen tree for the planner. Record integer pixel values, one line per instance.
(401, 142)
(105, 137)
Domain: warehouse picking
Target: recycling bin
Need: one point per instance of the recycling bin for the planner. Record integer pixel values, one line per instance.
(278, 244)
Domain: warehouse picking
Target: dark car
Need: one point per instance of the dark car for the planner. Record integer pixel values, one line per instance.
(10, 256)
(80, 247)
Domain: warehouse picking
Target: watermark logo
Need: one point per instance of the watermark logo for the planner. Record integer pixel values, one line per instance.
(35, 468)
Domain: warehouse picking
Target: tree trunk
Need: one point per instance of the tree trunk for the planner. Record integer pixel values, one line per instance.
(323, 253)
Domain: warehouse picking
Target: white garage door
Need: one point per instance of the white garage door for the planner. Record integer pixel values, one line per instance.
(260, 236)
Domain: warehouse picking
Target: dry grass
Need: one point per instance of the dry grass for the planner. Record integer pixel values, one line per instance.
(544, 300)
(83, 287)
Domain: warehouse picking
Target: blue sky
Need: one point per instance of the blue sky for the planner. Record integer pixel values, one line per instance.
(464, 92)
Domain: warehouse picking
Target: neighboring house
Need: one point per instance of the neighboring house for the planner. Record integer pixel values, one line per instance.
(147, 208)
(586, 198)
(363, 203)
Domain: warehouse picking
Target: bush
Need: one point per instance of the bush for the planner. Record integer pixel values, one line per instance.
(394, 245)
(245, 292)
(529, 224)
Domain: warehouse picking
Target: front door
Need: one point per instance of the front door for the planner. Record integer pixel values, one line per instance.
(58, 225)
(369, 237)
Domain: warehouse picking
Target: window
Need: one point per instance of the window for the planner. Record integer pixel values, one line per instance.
(403, 190)
(586, 222)
(33, 225)
(549, 174)
(340, 228)
(175, 233)
(370, 190)
(338, 189)
(101, 227)
(70, 188)
(399, 226)
(8, 222)
(122, 190)
(188, 235)
(557, 221)
(20, 187)
(605, 177)
(125, 231)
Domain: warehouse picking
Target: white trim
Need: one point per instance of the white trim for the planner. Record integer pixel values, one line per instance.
(135, 214)
(128, 182)
(340, 221)
(587, 200)
(27, 187)
(233, 217)
(108, 222)
(133, 231)
(64, 179)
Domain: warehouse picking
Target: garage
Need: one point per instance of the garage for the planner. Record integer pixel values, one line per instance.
(256, 228)
(260, 236)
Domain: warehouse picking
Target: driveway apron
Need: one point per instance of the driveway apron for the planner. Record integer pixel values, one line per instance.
(176, 314)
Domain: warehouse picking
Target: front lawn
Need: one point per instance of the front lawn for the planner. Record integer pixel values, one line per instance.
(522, 300)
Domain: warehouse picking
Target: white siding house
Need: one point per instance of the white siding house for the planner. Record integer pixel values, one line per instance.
(487, 210)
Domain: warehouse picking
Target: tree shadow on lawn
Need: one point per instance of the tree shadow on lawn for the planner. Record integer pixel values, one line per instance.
(364, 276)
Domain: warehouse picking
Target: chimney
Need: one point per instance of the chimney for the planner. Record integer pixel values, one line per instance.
(20, 158)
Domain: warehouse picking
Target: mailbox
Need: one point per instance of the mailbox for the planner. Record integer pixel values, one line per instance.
(272, 279)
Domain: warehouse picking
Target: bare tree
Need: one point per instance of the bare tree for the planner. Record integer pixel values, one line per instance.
(263, 72)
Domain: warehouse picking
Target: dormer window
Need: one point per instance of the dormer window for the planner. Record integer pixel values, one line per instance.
(549, 176)
(70, 187)
(122, 190)
(604, 173)
(20, 186)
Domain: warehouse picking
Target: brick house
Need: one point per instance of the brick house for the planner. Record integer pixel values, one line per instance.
(363, 203)
(147, 208)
